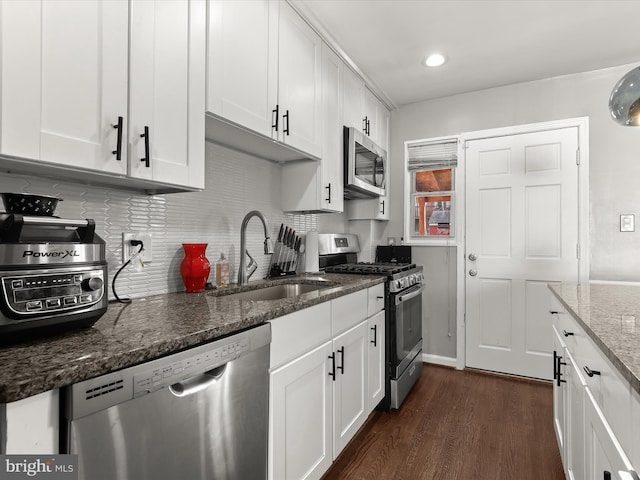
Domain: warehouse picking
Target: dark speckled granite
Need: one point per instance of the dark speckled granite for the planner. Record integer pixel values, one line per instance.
(146, 329)
(610, 315)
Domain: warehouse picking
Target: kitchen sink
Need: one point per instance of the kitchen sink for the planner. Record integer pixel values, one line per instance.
(279, 292)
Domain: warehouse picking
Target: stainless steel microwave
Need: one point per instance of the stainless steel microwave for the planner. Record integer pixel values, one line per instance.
(365, 166)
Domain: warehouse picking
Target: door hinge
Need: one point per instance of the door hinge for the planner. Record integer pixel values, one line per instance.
(577, 156)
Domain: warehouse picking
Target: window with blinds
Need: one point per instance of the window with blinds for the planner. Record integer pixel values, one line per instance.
(431, 169)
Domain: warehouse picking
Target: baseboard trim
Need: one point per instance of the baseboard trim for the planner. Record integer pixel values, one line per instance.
(439, 360)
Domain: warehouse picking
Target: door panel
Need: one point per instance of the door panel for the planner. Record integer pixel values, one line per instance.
(522, 226)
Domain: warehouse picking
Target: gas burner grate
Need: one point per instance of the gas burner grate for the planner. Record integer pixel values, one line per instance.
(366, 268)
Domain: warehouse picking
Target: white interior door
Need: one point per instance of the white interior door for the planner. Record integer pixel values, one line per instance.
(522, 233)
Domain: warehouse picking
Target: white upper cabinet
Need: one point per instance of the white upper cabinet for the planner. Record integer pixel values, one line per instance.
(299, 83)
(310, 186)
(354, 108)
(243, 62)
(167, 91)
(82, 80)
(64, 82)
(265, 72)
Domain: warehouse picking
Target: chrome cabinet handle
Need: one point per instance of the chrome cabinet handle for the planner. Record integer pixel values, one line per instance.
(328, 187)
(118, 151)
(145, 135)
(382, 203)
(375, 335)
(473, 272)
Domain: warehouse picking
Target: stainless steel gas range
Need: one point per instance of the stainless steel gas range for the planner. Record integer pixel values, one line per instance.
(403, 303)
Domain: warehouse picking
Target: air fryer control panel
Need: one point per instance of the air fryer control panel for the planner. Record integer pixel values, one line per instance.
(51, 292)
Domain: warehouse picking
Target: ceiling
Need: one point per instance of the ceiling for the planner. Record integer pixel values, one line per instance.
(489, 43)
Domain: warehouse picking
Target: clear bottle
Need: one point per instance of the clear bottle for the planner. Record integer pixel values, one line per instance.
(222, 272)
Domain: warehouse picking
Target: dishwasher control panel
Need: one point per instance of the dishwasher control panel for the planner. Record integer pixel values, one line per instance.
(169, 374)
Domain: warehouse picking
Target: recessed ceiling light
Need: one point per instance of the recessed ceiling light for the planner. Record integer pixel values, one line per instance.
(435, 60)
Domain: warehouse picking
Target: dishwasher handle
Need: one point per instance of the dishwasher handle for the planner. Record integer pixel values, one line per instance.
(197, 383)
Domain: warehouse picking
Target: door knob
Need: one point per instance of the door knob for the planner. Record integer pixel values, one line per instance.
(473, 272)
(473, 257)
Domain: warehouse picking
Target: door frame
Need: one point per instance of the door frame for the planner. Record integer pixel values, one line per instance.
(582, 124)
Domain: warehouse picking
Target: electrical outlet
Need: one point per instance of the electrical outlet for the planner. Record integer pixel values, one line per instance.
(128, 249)
(627, 223)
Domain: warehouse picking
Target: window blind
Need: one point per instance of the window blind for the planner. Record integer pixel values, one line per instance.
(432, 156)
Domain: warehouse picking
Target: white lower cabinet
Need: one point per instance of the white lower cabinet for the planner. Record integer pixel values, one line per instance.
(593, 406)
(301, 414)
(320, 392)
(350, 390)
(31, 425)
(605, 457)
(559, 394)
(376, 359)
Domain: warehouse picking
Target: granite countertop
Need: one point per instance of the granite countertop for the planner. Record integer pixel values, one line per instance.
(610, 314)
(149, 328)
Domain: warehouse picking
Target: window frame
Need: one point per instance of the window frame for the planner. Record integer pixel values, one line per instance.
(410, 237)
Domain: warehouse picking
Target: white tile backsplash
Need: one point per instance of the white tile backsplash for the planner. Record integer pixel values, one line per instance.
(236, 183)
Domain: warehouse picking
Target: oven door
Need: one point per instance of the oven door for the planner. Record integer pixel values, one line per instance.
(407, 321)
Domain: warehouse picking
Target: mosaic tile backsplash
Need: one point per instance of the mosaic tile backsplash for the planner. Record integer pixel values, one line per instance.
(236, 183)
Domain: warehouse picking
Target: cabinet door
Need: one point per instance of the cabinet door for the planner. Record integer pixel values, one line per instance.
(167, 87)
(300, 427)
(354, 109)
(332, 185)
(559, 392)
(350, 388)
(376, 348)
(370, 208)
(575, 442)
(371, 115)
(299, 83)
(605, 457)
(243, 62)
(64, 81)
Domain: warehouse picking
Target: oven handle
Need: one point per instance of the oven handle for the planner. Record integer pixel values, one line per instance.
(411, 293)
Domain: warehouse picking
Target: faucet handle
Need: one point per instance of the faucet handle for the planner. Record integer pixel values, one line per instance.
(252, 266)
(268, 246)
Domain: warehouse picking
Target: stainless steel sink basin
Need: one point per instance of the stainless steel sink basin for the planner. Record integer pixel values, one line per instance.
(278, 292)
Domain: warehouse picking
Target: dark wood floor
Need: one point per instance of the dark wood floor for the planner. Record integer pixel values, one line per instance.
(463, 425)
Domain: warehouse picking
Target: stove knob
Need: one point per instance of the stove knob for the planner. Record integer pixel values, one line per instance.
(92, 284)
(399, 284)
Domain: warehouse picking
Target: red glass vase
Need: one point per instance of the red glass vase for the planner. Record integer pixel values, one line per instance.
(195, 267)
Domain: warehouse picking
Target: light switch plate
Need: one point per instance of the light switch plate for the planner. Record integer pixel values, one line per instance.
(627, 223)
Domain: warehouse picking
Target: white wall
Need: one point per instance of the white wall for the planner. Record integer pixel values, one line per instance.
(614, 168)
(614, 151)
(235, 184)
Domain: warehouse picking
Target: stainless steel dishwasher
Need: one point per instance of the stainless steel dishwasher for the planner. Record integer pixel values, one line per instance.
(198, 414)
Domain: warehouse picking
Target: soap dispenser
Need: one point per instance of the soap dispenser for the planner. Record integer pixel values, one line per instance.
(222, 272)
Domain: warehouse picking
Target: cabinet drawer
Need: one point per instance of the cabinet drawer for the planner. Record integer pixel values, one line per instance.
(375, 299)
(348, 311)
(298, 332)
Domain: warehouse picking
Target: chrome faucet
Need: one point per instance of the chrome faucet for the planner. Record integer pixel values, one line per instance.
(243, 277)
